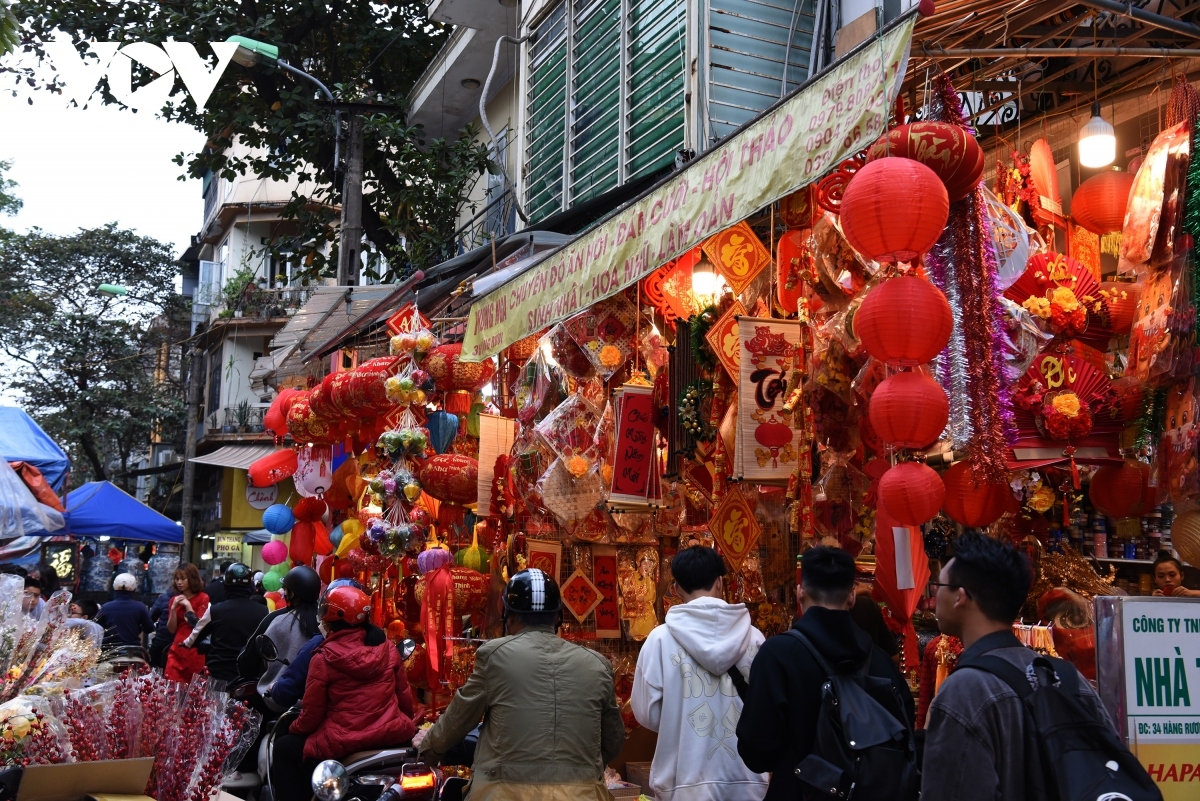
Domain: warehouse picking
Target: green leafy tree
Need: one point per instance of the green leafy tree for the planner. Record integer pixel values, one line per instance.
(365, 51)
(9, 202)
(93, 369)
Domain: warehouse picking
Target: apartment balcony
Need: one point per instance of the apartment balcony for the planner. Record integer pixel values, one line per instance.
(262, 304)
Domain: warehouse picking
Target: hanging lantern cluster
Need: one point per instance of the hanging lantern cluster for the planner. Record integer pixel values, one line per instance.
(953, 154)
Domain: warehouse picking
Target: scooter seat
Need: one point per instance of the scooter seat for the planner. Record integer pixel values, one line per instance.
(359, 756)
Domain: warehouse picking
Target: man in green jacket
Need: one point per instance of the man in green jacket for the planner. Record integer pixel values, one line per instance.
(549, 708)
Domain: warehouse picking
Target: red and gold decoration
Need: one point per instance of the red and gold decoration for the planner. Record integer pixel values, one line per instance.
(580, 596)
(734, 528)
(738, 255)
(722, 337)
(952, 153)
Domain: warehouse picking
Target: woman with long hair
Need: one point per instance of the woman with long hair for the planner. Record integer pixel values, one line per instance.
(186, 610)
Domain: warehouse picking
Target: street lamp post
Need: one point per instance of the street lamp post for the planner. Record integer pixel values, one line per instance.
(250, 53)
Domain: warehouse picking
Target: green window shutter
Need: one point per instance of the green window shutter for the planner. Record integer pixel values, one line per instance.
(654, 104)
(595, 97)
(546, 117)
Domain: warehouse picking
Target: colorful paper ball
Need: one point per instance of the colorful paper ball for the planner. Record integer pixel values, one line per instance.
(278, 519)
(912, 493)
(974, 503)
(432, 559)
(905, 321)
(952, 153)
(909, 410)
(894, 210)
(271, 581)
(1123, 490)
(275, 552)
(1099, 203)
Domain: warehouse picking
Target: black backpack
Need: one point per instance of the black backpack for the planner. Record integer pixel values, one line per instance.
(1081, 757)
(863, 749)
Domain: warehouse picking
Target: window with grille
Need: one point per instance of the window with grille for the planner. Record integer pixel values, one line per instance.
(604, 98)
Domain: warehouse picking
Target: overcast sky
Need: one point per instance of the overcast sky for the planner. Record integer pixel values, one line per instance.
(80, 168)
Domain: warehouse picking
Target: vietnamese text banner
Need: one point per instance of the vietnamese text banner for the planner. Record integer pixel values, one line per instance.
(801, 140)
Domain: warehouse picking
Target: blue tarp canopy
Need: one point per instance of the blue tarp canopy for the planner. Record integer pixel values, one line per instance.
(100, 509)
(22, 440)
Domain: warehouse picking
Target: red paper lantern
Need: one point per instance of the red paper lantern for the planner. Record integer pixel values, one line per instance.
(909, 410)
(974, 503)
(451, 477)
(272, 468)
(912, 493)
(894, 209)
(905, 321)
(303, 537)
(794, 260)
(1123, 490)
(1121, 297)
(275, 420)
(309, 510)
(1099, 202)
(451, 373)
(307, 427)
(952, 153)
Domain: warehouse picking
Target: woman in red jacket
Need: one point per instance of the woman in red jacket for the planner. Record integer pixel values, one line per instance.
(356, 698)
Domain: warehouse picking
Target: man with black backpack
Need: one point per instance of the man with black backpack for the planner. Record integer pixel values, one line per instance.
(1008, 724)
(827, 713)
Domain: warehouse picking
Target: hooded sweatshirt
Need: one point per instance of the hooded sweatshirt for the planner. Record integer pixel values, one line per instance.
(682, 690)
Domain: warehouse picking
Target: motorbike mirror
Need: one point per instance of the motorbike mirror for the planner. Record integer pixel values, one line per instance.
(266, 648)
(406, 647)
(329, 781)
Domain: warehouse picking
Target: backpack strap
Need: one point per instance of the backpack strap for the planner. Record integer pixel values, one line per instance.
(1002, 669)
(821, 663)
(739, 682)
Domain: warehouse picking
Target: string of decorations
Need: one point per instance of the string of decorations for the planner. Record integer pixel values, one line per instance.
(691, 416)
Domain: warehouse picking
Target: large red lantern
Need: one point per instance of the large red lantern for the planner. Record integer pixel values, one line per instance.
(451, 477)
(272, 468)
(972, 502)
(912, 493)
(1123, 490)
(307, 427)
(1121, 298)
(894, 209)
(952, 153)
(905, 321)
(1099, 202)
(275, 420)
(452, 374)
(909, 410)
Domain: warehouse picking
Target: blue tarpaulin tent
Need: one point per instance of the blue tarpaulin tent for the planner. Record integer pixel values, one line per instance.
(22, 440)
(100, 509)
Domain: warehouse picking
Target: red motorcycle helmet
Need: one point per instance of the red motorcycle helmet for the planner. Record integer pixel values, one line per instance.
(347, 604)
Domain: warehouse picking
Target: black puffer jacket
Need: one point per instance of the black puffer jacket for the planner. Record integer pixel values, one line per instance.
(779, 720)
(229, 627)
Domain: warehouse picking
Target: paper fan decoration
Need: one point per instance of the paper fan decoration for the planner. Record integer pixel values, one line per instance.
(1012, 239)
(606, 333)
(1044, 175)
(1061, 294)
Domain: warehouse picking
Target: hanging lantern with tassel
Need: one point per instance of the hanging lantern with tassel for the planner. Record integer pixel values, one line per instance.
(912, 493)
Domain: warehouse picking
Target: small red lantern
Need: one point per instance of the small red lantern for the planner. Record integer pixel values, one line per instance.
(912, 493)
(974, 503)
(794, 258)
(894, 209)
(1121, 298)
(909, 410)
(451, 477)
(1123, 490)
(272, 468)
(952, 153)
(905, 321)
(451, 373)
(1099, 202)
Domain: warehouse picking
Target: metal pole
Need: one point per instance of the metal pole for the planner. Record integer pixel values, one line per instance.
(1148, 17)
(1059, 52)
(337, 114)
(189, 468)
(352, 230)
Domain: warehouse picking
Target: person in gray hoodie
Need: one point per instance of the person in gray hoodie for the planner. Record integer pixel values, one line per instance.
(686, 687)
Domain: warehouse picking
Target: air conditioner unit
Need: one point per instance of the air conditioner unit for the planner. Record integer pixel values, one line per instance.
(166, 457)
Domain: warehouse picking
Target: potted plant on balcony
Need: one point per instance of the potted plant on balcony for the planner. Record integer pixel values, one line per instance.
(242, 415)
(213, 428)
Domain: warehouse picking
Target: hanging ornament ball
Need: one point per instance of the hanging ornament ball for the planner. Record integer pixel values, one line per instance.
(1099, 203)
(909, 410)
(905, 321)
(275, 552)
(1185, 536)
(271, 581)
(335, 536)
(445, 366)
(1121, 298)
(912, 493)
(952, 153)
(1123, 490)
(412, 492)
(972, 502)
(451, 477)
(894, 210)
(278, 519)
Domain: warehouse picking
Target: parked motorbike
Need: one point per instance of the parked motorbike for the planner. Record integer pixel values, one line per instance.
(385, 776)
(126, 657)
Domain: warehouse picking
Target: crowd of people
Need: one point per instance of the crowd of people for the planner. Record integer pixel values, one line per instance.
(739, 717)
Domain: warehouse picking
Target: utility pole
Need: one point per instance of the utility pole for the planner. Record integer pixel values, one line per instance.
(352, 230)
(195, 360)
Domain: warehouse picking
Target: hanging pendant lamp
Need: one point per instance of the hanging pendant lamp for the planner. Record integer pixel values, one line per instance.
(1097, 141)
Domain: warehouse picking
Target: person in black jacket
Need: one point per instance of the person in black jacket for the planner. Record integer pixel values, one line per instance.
(215, 589)
(230, 624)
(779, 721)
(125, 619)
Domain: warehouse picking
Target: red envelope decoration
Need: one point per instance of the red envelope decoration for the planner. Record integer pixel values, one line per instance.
(580, 595)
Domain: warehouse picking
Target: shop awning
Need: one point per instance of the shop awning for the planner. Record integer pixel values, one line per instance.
(23, 440)
(800, 139)
(239, 456)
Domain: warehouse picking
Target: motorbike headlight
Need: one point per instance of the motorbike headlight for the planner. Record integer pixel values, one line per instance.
(329, 780)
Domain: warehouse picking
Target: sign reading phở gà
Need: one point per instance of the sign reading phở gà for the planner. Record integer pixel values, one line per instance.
(839, 114)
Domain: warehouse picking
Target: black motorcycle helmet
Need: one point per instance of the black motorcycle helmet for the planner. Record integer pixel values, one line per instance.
(303, 585)
(239, 575)
(533, 591)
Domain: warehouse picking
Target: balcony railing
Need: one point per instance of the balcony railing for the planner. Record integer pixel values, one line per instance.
(236, 420)
(260, 303)
(495, 220)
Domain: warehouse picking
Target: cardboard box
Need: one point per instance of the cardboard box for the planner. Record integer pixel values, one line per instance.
(639, 773)
(78, 781)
